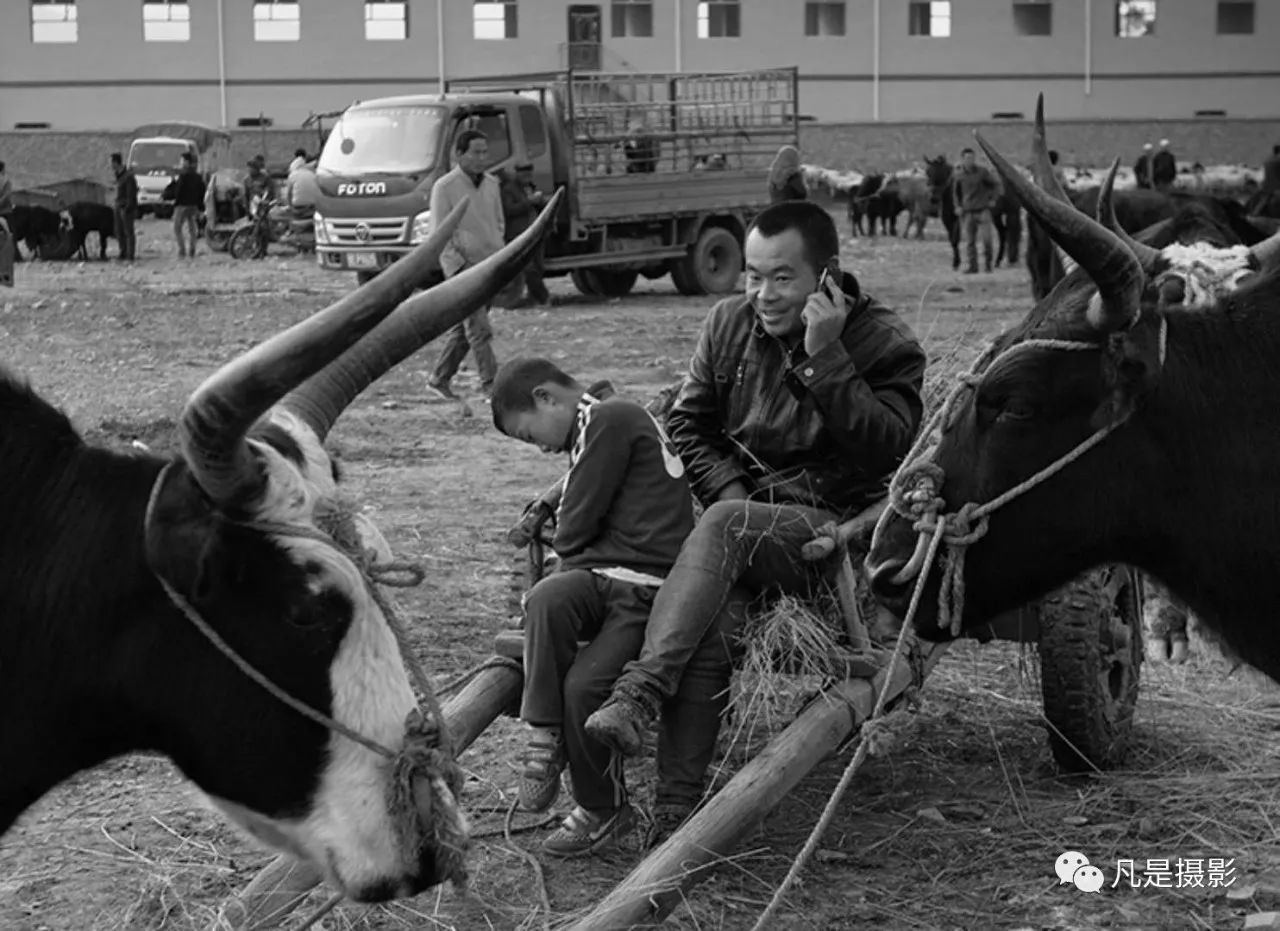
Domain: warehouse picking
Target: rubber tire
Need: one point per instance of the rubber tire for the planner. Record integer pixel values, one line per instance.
(217, 240)
(1090, 664)
(714, 262)
(610, 283)
(684, 280)
(585, 283)
(243, 244)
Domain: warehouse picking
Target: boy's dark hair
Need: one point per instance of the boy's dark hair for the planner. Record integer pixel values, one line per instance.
(465, 138)
(514, 383)
(816, 228)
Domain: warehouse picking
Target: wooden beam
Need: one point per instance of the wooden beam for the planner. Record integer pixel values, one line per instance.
(660, 882)
(284, 883)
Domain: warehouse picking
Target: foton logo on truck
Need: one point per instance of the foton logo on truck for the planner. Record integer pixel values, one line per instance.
(351, 188)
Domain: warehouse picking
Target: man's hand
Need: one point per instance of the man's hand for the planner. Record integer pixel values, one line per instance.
(734, 491)
(824, 315)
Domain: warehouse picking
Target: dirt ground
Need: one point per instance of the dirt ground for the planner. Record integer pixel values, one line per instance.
(958, 826)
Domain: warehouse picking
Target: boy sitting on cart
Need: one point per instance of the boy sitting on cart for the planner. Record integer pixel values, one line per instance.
(624, 511)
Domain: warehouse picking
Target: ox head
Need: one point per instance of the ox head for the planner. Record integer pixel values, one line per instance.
(237, 528)
(1088, 357)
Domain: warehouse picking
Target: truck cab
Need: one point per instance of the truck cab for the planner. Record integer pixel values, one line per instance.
(381, 159)
(662, 172)
(155, 155)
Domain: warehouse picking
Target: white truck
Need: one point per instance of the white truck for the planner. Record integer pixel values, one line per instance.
(155, 155)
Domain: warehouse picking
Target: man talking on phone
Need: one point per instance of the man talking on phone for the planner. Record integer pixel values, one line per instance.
(802, 397)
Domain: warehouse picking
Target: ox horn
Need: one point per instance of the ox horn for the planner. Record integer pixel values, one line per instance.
(1147, 256)
(221, 411)
(1267, 253)
(320, 400)
(1041, 166)
(1108, 261)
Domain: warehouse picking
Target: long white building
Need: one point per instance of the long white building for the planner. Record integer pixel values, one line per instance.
(113, 64)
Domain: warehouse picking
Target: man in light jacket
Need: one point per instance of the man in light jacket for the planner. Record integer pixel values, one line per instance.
(478, 236)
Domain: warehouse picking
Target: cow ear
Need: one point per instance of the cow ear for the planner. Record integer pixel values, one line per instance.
(1131, 364)
(182, 533)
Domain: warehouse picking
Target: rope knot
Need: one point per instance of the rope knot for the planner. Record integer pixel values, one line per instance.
(966, 526)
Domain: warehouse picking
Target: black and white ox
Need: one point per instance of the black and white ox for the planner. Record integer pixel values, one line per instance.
(98, 661)
(1162, 424)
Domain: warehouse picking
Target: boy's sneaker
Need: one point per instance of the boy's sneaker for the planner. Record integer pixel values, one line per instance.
(620, 723)
(584, 832)
(544, 761)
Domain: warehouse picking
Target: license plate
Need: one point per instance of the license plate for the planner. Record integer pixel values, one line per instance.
(362, 260)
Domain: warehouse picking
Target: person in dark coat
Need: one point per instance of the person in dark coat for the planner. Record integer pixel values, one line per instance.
(521, 201)
(1164, 168)
(1142, 167)
(188, 198)
(126, 204)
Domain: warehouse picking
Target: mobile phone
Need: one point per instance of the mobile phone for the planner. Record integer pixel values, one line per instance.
(830, 277)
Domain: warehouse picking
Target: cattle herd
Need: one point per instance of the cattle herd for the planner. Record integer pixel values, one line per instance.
(44, 231)
(1173, 299)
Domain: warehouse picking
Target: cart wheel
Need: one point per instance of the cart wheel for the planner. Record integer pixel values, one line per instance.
(1090, 659)
(246, 244)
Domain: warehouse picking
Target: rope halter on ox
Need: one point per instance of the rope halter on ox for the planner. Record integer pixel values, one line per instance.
(915, 492)
(426, 780)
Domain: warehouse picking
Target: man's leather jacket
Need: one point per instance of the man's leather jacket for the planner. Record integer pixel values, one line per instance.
(825, 431)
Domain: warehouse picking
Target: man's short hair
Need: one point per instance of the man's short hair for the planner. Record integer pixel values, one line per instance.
(1275, 150)
(967, 150)
(1053, 156)
(116, 158)
(465, 138)
(2, 163)
(816, 228)
(514, 383)
(188, 158)
(300, 153)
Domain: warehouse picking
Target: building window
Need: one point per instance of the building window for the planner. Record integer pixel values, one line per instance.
(1235, 18)
(929, 18)
(276, 21)
(53, 22)
(1033, 17)
(1135, 18)
(495, 20)
(386, 19)
(632, 19)
(166, 21)
(719, 19)
(823, 18)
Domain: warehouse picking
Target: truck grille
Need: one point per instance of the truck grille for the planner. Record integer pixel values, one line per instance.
(383, 231)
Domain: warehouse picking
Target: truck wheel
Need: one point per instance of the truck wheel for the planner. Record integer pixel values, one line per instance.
(684, 279)
(585, 282)
(1090, 659)
(610, 283)
(714, 262)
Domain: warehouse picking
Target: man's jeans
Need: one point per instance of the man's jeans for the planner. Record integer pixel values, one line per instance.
(746, 544)
(475, 333)
(125, 234)
(186, 224)
(975, 223)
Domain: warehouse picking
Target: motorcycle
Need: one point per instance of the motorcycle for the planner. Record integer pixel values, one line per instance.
(269, 222)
